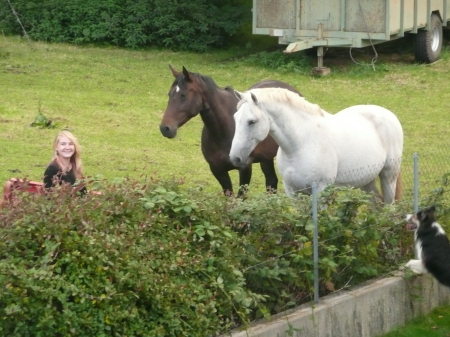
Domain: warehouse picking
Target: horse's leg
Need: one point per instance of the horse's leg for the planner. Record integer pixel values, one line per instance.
(399, 187)
(292, 191)
(245, 175)
(389, 176)
(223, 178)
(270, 174)
(289, 190)
(372, 188)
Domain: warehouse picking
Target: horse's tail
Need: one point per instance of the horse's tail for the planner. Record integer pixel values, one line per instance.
(398, 187)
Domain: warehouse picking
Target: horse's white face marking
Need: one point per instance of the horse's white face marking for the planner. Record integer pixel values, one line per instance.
(252, 127)
(177, 89)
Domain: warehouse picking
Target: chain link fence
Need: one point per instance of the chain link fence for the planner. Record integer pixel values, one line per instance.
(421, 173)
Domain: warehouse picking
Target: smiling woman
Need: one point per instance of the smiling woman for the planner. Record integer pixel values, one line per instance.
(65, 166)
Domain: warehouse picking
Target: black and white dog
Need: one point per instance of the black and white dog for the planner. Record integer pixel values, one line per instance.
(432, 246)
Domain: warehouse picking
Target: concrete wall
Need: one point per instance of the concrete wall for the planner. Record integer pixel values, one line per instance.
(368, 310)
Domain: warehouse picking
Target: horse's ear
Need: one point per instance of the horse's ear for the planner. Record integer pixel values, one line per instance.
(186, 74)
(238, 94)
(174, 72)
(254, 98)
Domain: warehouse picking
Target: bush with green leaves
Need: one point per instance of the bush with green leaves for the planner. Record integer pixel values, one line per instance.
(134, 261)
(440, 197)
(181, 25)
(359, 239)
(151, 258)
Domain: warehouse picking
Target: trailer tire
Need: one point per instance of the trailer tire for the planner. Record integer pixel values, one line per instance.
(429, 42)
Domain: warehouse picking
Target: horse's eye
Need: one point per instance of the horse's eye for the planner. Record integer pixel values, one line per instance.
(251, 122)
(183, 95)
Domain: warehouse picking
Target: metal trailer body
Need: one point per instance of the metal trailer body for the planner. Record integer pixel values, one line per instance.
(303, 24)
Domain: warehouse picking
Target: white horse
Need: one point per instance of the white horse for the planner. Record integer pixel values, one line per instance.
(352, 147)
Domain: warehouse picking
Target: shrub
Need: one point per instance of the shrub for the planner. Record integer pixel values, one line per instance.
(156, 260)
(136, 260)
(358, 240)
(183, 25)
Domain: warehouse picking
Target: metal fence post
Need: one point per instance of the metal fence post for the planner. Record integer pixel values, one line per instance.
(315, 242)
(416, 191)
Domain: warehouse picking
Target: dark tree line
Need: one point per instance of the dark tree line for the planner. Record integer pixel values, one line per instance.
(177, 24)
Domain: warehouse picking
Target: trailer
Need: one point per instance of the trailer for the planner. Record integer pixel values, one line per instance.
(305, 24)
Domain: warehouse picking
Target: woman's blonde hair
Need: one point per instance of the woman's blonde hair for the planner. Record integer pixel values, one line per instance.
(75, 160)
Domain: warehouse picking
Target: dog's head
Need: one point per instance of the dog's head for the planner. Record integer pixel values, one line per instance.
(424, 217)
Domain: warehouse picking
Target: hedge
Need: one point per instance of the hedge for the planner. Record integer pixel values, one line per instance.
(156, 259)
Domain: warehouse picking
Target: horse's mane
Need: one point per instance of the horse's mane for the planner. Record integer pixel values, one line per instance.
(210, 84)
(267, 95)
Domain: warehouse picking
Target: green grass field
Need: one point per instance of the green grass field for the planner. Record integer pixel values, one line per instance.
(113, 100)
(436, 324)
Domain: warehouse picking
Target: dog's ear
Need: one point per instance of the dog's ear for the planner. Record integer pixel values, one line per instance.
(421, 215)
(427, 213)
(430, 211)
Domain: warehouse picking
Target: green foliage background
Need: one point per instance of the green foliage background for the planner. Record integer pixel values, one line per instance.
(182, 25)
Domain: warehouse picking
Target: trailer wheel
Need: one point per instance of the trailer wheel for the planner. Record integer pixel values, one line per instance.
(429, 42)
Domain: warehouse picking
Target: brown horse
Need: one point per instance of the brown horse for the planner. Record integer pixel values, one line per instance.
(193, 93)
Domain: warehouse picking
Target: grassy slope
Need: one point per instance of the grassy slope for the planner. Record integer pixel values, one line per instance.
(114, 99)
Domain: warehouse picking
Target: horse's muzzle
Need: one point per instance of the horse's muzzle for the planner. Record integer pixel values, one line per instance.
(167, 131)
(237, 161)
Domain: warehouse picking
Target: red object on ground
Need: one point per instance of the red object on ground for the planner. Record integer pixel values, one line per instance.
(22, 185)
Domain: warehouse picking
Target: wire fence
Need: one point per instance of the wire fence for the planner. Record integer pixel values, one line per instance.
(420, 174)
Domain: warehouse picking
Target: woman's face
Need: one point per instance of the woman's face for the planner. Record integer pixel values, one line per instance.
(65, 147)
